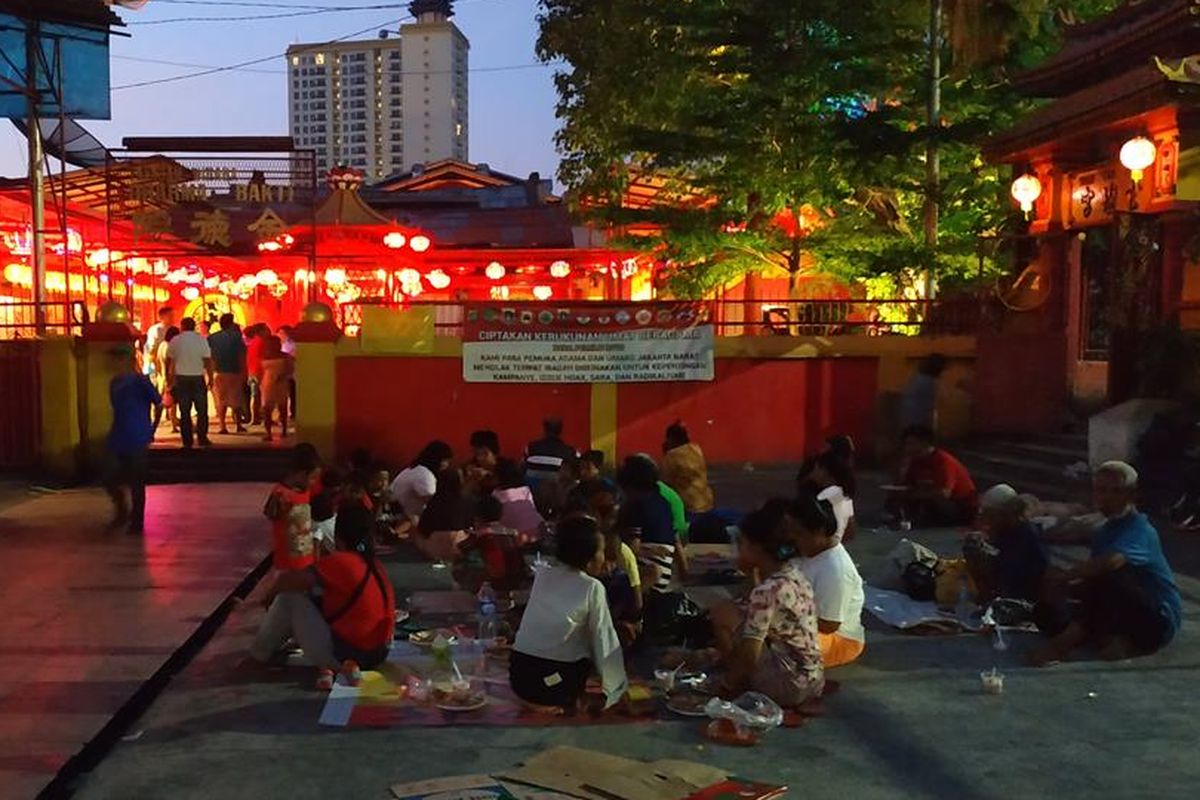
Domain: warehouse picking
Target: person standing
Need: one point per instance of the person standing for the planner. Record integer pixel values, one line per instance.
(157, 333)
(255, 337)
(132, 396)
(229, 359)
(918, 402)
(288, 344)
(189, 364)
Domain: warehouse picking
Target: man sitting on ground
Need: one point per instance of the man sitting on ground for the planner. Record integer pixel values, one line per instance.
(1128, 603)
(940, 490)
(544, 457)
(1008, 560)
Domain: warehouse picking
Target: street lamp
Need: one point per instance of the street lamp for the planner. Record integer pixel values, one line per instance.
(1137, 155)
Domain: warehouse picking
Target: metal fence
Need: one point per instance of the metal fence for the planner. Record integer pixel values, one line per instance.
(27, 320)
(958, 316)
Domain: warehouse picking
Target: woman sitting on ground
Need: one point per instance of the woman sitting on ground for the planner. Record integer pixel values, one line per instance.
(773, 648)
(443, 524)
(567, 632)
(520, 512)
(342, 611)
(837, 586)
(415, 485)
(683, 469)
(834, 482)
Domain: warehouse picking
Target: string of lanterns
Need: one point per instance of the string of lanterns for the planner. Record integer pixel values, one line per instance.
(1136, 155)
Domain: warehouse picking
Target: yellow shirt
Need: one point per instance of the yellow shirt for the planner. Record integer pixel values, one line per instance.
(685, 471)
(629, 563)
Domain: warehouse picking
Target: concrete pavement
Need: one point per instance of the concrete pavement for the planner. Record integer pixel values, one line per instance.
(910, 720)
(90, 614)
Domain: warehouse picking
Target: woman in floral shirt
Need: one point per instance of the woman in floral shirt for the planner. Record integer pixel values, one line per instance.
(774, 650)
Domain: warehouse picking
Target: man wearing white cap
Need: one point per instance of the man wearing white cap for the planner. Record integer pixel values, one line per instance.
(1008, 560)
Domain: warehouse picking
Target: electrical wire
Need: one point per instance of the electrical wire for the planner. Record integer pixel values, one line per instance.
(252, 17)
(194, 65)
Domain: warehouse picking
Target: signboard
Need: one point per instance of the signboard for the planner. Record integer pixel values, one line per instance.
(71, 66)
(588, 343)
(219, 206)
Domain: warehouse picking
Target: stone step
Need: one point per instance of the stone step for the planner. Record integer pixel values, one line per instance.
(218, 465)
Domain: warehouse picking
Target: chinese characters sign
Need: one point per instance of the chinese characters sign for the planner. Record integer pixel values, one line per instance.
(229, 207)
(593, 343)
(1096, 196)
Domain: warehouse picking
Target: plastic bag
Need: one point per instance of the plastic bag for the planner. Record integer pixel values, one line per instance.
(752, 710)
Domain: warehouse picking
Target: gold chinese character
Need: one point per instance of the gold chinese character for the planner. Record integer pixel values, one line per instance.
(151, 223)
(268, 226)
(211, 228)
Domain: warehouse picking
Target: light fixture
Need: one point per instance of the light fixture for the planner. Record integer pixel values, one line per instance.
(381, 274)
(560, 269)
(419, 243)
(190, 293)
(266, 277)
(1026, 190)
(438, 279)
(1137, 155)
(395, 240)
(543, 292)
(335, 276)
(495, 271)
(409, 275)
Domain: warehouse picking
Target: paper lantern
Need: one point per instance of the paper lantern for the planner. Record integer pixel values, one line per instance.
(543, 292)
(1026, 190)
(395, 240)
(335, 276)
(495, 271)
(190, 293)
(1137, 155)
(438, 279)
(266, 277)
(419, 243)
(560, 269)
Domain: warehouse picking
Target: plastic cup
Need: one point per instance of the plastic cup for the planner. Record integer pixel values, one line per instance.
(993, 682)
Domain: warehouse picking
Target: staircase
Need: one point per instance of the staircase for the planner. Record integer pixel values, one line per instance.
(218, 464)
(1033, 463)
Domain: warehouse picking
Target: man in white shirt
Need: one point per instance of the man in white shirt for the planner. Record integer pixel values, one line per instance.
(189, 371)
(837, 586)
(155, 335)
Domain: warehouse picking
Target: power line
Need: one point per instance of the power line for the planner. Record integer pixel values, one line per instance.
(194, 65)
(253, 61)
(252, 17)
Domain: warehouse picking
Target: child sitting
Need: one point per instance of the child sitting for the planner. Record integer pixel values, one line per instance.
(498, 546)
(773, 647)
(520, 513)
(566, 631)
(623, 586)
(837, 586)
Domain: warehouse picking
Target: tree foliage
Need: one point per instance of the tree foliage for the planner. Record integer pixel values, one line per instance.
(791, 134)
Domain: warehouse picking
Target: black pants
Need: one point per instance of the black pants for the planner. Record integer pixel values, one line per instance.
(548, 683)
(128, 470)
(190, 392)
(1123, 603)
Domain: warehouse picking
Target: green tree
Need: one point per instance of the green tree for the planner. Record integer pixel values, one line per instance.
(790, 134)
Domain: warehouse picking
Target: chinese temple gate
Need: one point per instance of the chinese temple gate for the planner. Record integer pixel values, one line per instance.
(1109, 170)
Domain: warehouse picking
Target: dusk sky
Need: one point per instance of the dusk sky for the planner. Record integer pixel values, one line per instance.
(511, 96)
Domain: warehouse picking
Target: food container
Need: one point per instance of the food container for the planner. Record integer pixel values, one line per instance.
(993, 681)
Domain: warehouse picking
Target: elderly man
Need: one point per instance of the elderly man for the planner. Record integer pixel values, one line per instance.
(1008, 560)
(1128, 603)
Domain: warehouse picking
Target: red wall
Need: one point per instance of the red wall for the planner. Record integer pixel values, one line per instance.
(755, 410)
(1019, 385)
(395, 405)
(761, 411)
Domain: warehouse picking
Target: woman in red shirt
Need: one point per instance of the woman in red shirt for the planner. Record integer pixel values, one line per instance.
(941, 492)
(342, 611)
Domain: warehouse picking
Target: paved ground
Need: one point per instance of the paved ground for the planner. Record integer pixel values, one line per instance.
(90, 615)
(909, 722)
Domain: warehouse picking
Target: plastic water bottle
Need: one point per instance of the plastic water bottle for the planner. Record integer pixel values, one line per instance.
(964, 609)
(487, 613)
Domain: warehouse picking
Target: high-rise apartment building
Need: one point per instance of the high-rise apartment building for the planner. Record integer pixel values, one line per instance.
(384, 104)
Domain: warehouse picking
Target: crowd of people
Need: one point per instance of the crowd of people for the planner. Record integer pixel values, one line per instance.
(618, 539)
(246, 376)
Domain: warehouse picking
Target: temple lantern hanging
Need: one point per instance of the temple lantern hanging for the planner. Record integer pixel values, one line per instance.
(1137, 155)
(1026, 190)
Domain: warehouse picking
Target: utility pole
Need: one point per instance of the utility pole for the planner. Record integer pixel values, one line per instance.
(37, 250)
(933, 119)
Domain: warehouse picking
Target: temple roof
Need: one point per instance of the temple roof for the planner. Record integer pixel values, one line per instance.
(1109, 46)
(1124, 97)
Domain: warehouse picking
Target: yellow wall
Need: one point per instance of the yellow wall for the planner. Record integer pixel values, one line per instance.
(60, 406)
(316, 405)
(97, 369)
